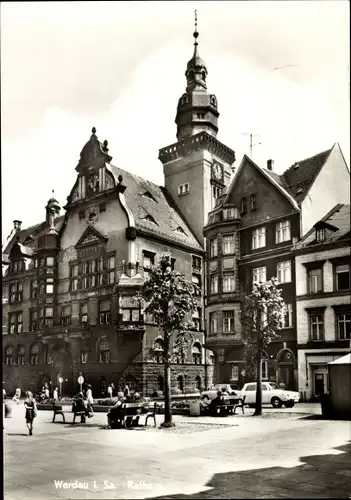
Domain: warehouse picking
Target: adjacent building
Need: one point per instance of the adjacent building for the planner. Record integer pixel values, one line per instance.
(322, 261)
(250, 235)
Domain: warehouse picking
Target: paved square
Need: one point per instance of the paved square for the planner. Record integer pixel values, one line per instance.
(235, 457)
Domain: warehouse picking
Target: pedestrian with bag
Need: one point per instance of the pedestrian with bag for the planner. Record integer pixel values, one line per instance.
(31, 411)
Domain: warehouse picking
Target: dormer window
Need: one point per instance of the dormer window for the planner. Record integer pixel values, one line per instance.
(185, 99)
(147, 194)
(213, 100)
(180, 230)
(150, 219)
(320, 235)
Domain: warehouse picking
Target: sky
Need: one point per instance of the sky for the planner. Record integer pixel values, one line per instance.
(279, 69)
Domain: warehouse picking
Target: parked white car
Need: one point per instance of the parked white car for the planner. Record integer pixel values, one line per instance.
(271, 394)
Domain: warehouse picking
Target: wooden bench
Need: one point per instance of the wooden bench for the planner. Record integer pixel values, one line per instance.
(238, 403)
(227, 407)
(130, 413)
(59, 410)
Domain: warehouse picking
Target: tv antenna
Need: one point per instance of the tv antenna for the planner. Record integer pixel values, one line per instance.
(251, 135)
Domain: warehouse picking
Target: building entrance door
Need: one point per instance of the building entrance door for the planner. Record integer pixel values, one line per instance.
(318, 384)
(286, 375)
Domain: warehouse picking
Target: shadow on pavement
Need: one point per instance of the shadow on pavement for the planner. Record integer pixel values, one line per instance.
(17, 434)
(320, 476)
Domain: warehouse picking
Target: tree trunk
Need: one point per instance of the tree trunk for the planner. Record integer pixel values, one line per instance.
(258, 410)
(167, 386)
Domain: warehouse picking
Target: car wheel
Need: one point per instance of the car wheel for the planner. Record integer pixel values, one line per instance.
(289, 404)
(276, 403)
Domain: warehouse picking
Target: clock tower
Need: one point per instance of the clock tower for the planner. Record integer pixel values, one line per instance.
(198, 167)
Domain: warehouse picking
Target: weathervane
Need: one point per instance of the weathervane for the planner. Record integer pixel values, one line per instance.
(196, 33)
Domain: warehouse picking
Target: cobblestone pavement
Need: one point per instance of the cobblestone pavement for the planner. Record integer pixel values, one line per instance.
(290, 456)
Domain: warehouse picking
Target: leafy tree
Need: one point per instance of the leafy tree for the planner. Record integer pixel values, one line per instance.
(261, 318)
(169, 299)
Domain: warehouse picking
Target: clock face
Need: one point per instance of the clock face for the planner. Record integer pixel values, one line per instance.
(217, 171)
(93, 182)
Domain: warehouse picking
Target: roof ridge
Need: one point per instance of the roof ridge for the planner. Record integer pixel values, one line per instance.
(307, 159)
(136, 176)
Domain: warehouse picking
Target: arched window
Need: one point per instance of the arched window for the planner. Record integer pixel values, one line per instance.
(34, 354)
(8, 358)
(196, 353)
(160, 383)
(20, 355)
(185, 99)
(198, 383)
(180, 383)
(158, 351)
(104, 351)
(213, 100)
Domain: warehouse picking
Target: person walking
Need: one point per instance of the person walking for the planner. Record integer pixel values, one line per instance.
(109, 391)
(113, 388)
(16, 398)
(55, 394)
(126, 391)
(90, 400)
(31, 411)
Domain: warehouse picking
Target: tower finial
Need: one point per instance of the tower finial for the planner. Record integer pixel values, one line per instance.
(196, 33)
(93, 130)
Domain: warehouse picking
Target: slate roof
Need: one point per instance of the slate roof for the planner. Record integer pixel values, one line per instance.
(299, 178)
(339, 218)
(34, 231)
(160, 206)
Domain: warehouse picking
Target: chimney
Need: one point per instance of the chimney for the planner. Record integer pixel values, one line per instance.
(270, 164)
(17, 224)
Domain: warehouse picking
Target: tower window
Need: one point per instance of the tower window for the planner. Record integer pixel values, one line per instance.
(213, 100)
(200, 116)
(185, 99)
(183, 189)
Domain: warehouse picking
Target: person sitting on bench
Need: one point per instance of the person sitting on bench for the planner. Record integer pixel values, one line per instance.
(217, 404)
(115, 412)
(79, 406)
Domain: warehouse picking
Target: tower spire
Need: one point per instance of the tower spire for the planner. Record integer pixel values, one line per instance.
(196, 33)
(197, 109)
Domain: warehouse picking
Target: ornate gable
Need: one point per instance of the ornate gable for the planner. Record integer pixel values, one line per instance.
(94, 155)
(91, 236)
